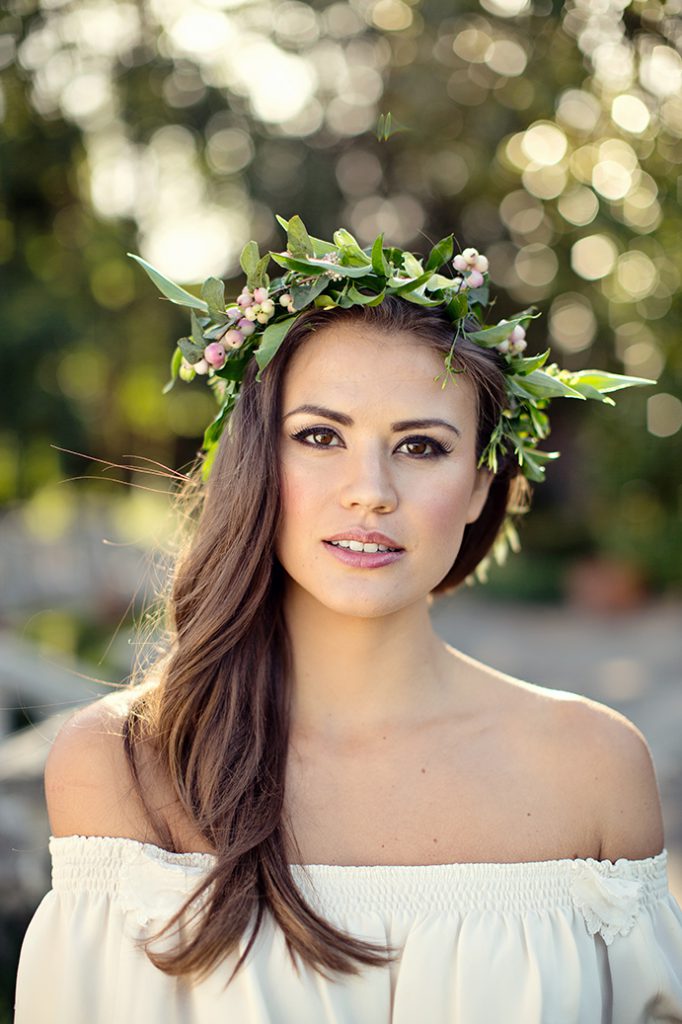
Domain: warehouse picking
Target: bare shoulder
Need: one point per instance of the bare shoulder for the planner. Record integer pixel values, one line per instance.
(89, 788)
(611, 763)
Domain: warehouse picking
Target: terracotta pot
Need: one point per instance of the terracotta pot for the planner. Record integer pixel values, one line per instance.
(605, 584)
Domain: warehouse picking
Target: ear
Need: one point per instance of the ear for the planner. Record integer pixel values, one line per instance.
(479, 494)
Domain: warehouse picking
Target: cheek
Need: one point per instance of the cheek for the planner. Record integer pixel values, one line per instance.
(445, 512)
(301, 496)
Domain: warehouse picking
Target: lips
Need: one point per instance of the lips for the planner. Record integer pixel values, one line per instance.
(366, 537)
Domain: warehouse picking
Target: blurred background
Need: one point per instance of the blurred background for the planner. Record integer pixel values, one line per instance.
(547, 135)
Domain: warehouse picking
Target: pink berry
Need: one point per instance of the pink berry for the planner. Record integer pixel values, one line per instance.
(518, 334)
(246, 327)
(233, 338)
(245, 299)
(260, 294)
(460, 263)
(214, 354)
(475, 279)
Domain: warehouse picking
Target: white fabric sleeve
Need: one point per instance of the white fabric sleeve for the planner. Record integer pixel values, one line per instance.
(69, 960)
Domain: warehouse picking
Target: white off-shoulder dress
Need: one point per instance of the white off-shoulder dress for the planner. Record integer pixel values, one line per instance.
(543, 942)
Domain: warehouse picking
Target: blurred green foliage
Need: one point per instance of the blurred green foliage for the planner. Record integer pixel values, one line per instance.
(178, 131)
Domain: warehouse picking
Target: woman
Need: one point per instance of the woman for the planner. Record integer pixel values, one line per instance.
(313, 809)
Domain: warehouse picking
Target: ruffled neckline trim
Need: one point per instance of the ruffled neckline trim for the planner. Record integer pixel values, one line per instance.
(148, 881)
(77, 843)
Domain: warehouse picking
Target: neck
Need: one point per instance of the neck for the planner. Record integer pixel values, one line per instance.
(353, 676)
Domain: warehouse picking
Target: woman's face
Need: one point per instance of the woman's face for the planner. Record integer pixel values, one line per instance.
(372, 444)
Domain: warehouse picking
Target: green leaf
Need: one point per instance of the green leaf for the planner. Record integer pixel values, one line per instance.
(343, 299)
(479, 296)
(418, 298)
(394, 255)
(438, 282)
(176, 360)
(168, 288)
(379, 262)
(319, 267)
(343, 238)
(542, 385)
(236, 365)
(216, 330)
(532, 460)
(249, 258)
(192, 353)
(609, 381)
(299, 242)
(300, 266)
(388, 126)
(441, 253)
(515, 385)
(364, 299)
(491, 336)
(412, 285)
(215, 427)
(303, 294)
(197, 332)
(539, 419)
(457, 307)
(349, 257)
(213, 292)
(273, 336)
(259, 278)
(320, 247)
(526, 365)
(532, 469)
(589, 392)
(209, 459)
(412, 265)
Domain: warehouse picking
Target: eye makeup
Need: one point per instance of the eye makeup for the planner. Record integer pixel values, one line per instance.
(438, 448)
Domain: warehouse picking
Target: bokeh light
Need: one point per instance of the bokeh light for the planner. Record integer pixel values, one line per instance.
(572, 323)
(663, 414)
(506, 8)
(578, 206)
(630, 113)
(636, 274)
(578, 110)
(544, 143)
(593, 257)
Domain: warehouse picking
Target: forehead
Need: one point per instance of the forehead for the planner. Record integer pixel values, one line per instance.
(352, 365)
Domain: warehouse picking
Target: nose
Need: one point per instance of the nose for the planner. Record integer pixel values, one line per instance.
(367, 483)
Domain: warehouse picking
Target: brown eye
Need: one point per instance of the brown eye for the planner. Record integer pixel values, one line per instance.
(324, 438)
(417, 447)
(317, 438)
(423, 448)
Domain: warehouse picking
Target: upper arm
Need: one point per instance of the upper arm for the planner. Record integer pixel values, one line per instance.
(89, 788)
(618, 775)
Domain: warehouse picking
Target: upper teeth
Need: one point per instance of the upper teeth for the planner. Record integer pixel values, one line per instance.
(355, 545)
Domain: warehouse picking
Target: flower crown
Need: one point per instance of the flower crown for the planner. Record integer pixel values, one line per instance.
(318, 274)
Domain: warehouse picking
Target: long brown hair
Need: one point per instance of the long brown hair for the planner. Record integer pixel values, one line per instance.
(217, 716)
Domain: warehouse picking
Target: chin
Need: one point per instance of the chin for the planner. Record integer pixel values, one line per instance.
(371, 601)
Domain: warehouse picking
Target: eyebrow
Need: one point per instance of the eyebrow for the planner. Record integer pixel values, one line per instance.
(347, 421)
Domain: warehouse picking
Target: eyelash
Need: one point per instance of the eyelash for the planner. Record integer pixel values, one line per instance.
(440, 448)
